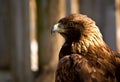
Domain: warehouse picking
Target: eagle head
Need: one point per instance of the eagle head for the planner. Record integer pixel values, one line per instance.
(75, 27)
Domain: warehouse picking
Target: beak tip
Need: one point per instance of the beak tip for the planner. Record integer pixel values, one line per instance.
(55, 28)
(52, 30)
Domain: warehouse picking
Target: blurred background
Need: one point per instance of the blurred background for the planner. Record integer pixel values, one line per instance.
(28, 52)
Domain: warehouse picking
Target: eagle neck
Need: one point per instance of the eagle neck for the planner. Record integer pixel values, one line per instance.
(91, 47)
(65, 50)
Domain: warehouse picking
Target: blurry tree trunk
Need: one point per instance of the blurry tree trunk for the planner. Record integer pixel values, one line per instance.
(72, 6)
(5, 59)
(20, 40)
(49, 45)
(118, 23)
(4, 36)
(33, 41)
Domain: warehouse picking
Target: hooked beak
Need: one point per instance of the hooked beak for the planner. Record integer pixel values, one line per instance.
(57, 28)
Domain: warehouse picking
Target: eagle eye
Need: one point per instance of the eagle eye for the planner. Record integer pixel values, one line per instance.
(70, 24)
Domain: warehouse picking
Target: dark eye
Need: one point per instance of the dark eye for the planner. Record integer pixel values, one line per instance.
(70, 24)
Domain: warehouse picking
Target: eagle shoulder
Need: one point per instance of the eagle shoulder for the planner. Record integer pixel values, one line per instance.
(76, 68)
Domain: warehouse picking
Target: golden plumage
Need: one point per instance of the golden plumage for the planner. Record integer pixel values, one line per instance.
(84, 57)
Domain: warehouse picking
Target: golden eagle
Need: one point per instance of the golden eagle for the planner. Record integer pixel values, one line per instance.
(84, 57)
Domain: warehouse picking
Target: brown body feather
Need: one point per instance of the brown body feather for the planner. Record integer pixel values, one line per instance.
(85, 57)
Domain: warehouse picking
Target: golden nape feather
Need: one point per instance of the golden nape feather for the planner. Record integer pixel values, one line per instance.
(84, 57)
